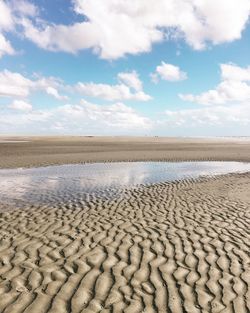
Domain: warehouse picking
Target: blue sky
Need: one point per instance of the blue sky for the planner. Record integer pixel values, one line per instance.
(115, 67)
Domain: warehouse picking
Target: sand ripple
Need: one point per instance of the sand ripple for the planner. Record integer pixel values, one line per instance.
(170, 247)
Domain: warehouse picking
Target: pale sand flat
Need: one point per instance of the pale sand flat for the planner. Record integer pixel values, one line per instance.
(39, 151)
(169, 247)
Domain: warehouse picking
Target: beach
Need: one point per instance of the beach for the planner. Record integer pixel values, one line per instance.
(176, 247)
(41, 151)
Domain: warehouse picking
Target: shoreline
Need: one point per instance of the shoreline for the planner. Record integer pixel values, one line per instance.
(210, 179)
(45, 165)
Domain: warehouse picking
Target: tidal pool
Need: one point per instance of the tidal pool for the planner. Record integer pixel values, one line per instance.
(55, 184)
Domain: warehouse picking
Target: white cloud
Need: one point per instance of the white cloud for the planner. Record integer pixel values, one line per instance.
(110, 92)
(16, 85)
(131, 79)
(20, 105)
(119, 92)
(116, 115)
(54, 92)
(6, 24)
(232, 99)
(168, 72)
(11, 13)
(5, 46)
(220, 115)
(234, 87)
(82, 118)
(71, 38)
(6, 18)
(115, 28)
(23, 8)
(235, 73)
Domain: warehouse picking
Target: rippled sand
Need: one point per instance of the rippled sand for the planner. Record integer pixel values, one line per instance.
(168, 247)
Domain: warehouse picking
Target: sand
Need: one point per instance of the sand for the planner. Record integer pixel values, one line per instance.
(39, 151)
(169, 247)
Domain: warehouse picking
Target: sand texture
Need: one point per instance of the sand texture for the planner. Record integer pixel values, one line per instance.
(169, 247)
(39, 151)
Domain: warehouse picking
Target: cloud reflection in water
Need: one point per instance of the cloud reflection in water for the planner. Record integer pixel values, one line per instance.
(60, 183)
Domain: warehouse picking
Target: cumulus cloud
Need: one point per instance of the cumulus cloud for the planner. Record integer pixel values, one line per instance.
(20, 105)
(11, 14)
(82, 118)
(6, 24)
(229, 102)
(116, 115)
(54, 92)
(6, 18)
(116, 28)
(5, 46)
(235, 73)
(168, 72)
(23, 8)
(219, 115)
(16, 85)
(131, 79)
(129, 88)
(234, 87)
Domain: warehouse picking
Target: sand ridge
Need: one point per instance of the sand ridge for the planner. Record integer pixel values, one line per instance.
(169, 247)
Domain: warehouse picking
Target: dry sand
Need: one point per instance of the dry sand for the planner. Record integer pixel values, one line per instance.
(169, 248)
(37, 151)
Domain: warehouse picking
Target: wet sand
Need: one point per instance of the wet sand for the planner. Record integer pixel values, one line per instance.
(40, 151)
(168, 247)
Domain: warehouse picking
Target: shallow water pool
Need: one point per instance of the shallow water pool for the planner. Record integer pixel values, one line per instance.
(54, 184)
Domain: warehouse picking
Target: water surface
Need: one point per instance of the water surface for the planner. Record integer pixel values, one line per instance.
(54, 184)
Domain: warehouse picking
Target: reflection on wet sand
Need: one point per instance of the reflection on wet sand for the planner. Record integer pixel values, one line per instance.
(80, 239)
(55, 184)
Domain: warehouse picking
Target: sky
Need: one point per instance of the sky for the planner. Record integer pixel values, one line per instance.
(125, 67)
